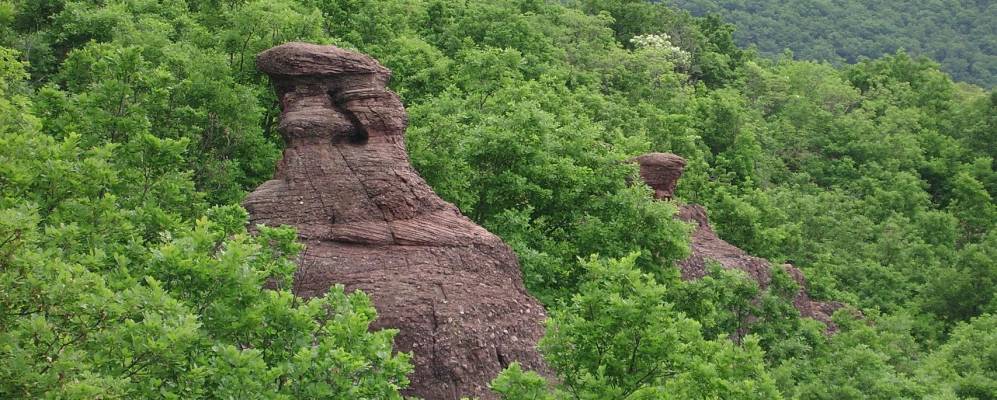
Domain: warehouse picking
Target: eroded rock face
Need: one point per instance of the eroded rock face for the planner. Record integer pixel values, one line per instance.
(661, 172)
(370, 222)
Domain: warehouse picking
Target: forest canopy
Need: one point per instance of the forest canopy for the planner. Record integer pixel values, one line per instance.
(958, 34)
(130, 130)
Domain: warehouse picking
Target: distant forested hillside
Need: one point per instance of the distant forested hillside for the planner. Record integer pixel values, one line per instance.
(959, 34)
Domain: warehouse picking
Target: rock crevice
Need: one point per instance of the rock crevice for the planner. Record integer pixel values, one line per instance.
(370, 222)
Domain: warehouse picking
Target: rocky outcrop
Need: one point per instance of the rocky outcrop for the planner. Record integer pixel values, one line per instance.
(661, 171)
(371, 223)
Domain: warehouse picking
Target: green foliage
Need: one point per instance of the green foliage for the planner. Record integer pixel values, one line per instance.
(965, 366)
(955, 32)
(859, 362)
(185, 319)
(619, 338)
(507, 159)
(720, 301)
(129, 69)
(112, 290)
(515, 384)
(965, 289)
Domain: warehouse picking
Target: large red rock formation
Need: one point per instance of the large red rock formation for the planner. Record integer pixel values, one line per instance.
(370, 222)
(661, 172)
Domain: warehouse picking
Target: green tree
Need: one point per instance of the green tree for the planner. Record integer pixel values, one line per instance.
(619, 339)
(110, 290)
(964, 367)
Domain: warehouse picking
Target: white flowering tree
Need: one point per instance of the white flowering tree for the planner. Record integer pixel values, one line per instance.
(660, 45)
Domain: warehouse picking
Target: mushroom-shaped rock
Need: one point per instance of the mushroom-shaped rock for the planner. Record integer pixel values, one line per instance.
(661, 171)
(369, 221)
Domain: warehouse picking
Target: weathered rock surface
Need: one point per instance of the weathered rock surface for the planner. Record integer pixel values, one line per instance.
(370, 222)
(661, 172)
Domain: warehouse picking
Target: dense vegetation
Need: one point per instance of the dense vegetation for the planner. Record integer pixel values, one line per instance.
(130, 130)
(959, 34)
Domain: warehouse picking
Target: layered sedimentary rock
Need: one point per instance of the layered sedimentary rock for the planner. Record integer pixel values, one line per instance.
(371, 223)
(661, 172)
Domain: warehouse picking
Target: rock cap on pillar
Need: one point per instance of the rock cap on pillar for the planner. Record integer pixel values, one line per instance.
(661, 171)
